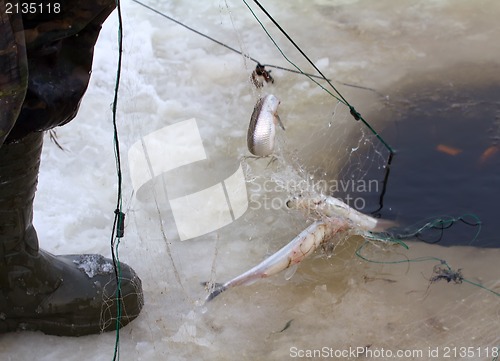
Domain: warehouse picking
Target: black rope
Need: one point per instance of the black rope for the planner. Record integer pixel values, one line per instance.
(376, 212)
(301, 52)
(119, 218)
(354, 113)
(195, 31)
(247, 55)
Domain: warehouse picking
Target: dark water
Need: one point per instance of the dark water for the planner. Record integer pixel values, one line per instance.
(447, 162)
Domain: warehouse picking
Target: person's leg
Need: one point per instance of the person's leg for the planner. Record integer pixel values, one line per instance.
(13, 69)
(69, 295)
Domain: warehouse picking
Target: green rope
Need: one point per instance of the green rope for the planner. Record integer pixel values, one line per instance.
(420, 259)
(481, 286)
(445, 222)
(287, 59)
(386, 238)
(439, 223)
(118, 223)
(338, 97)
(118, 274)
(356, 115)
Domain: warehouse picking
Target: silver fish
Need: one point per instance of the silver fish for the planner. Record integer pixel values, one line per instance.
(290, 255)
(333, 207)
(262, 128)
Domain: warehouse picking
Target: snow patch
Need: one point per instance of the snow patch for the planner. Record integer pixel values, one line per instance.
(93, 264)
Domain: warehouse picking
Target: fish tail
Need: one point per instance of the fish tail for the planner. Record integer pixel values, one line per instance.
(215, 290)
(279, 121)
(383, 225)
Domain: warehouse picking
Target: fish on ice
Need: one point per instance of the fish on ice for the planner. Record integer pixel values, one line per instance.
(335, 217)
(293, 253)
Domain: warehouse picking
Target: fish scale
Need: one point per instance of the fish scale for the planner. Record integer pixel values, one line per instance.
(262, 127)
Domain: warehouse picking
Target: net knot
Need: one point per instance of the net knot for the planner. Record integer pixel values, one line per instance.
(354, 113)
(120, 223)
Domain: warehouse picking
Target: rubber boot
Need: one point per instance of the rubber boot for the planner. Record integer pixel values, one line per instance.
(69, 295)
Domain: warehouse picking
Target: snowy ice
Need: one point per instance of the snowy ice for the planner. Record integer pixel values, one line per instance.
(171, 75)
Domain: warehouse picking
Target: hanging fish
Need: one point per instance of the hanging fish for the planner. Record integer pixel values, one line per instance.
(262, 128)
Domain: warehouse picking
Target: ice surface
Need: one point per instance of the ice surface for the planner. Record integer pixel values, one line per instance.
(171, 75)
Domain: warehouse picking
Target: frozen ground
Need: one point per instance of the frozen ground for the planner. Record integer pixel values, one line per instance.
(171, 75)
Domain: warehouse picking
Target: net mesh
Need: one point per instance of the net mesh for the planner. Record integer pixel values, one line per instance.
(323, 149)
(368, 292)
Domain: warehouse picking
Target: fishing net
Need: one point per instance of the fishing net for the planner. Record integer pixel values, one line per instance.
(200, 209)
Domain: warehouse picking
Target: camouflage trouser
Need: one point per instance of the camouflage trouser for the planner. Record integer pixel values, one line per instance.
(45, 61)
